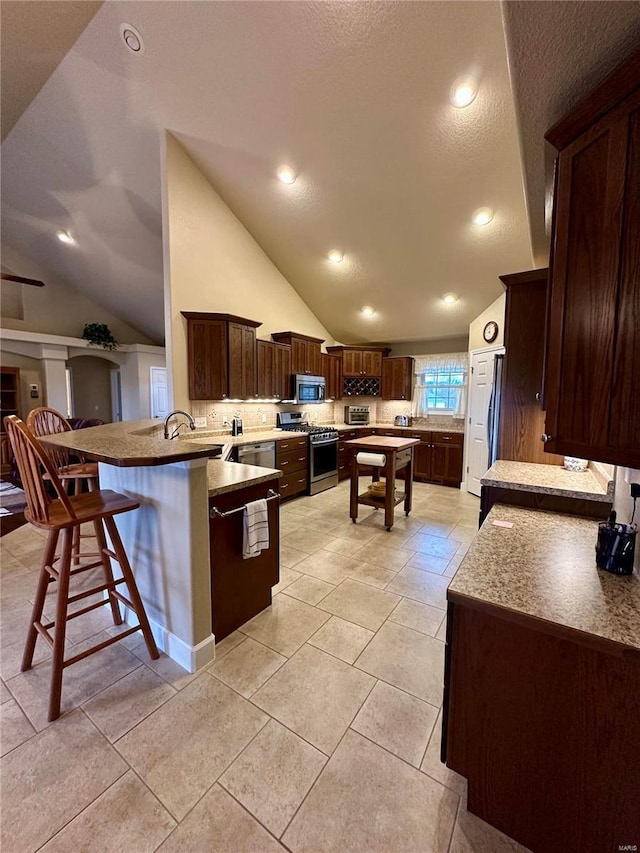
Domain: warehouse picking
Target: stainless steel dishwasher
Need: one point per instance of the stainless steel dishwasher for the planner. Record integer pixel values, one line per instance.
(261, 453)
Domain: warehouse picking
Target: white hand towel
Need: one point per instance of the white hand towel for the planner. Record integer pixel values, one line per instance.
(255, 534)
(376, 459)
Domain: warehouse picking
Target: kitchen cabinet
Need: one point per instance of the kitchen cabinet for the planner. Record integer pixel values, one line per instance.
(306, 355)
(540, 692)
(221, 356)
(274, 370)
(360, 361)
(521, 415)
(292, 458)
(240, 589)
(593, 346)
(438, 458)
(332, 372)
(345, 453)
(397, 378)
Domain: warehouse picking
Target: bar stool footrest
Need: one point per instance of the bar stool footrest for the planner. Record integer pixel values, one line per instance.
(100, 646)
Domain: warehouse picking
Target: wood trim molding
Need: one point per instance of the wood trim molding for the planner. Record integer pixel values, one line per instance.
(613, 89)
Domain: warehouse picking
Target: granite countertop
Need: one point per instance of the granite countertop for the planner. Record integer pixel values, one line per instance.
(228, 476)
(415, 428)
(544, 567)
(130, 444)
(593, 484)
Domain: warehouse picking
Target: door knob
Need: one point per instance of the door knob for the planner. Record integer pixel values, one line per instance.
(545, 437)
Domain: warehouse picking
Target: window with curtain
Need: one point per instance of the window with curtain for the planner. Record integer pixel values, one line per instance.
(441, 385)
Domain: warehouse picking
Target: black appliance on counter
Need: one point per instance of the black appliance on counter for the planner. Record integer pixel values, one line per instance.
(323, 450)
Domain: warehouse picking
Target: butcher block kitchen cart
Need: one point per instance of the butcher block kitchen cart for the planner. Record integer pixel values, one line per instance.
(398, 454)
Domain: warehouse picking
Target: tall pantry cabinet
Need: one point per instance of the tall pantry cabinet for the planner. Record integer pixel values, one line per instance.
(593, 345)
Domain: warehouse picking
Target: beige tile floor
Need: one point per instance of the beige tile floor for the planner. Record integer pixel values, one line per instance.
(317, 728)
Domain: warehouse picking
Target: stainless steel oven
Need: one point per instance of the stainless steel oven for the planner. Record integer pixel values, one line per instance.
(323, 461)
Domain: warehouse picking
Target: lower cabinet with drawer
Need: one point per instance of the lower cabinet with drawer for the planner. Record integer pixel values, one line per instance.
(438, 458)
(345, 453)
(292, 458)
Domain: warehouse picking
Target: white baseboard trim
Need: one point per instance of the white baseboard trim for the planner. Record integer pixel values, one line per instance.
(191, 658)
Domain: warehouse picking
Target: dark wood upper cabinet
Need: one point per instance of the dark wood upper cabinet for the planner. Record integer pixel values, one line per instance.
(360, 361)
(593, 358)
(306, 355)
(397, 378)
(332, 372)
(521, 417)
(274, 370)
(221, 356)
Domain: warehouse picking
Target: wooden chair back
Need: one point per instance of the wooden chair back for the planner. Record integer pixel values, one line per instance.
(31, 458)
(46, 421)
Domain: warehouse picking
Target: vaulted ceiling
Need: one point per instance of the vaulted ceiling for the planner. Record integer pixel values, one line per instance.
(356, 98)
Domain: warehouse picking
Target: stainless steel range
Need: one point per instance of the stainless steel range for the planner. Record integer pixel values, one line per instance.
(323, 450)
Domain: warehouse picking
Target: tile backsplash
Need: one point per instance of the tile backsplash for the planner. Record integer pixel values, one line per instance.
(257, 416)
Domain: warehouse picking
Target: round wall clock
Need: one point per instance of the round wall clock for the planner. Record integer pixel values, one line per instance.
(490, 332)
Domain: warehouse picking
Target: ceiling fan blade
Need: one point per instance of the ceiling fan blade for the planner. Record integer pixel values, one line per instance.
(21, 280)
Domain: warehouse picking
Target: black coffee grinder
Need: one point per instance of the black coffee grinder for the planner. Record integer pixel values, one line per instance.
(616, 546)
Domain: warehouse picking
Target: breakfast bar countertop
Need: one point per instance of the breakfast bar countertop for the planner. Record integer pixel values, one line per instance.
(228, 476)
(594, 484)
(543, 566)
(127, 444)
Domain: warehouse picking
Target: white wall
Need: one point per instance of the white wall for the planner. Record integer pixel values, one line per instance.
(496, 312)
(58, 308)
(433, 347)
(91, 383)
(212, 263)
(623, 504)
(135, 375)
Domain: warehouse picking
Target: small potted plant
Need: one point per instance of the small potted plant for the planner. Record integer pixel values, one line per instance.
(99, 334)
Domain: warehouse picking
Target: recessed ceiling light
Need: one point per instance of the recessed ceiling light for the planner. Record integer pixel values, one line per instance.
(65, 237)
(482, 216)
(335, 256)
(368, 311)
(286, 175)
(450, 298)
(463, 92)
(132, 38)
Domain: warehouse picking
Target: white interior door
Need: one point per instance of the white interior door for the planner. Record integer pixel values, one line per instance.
(159, 392)
(480, 385)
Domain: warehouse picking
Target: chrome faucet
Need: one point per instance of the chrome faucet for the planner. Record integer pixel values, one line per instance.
(192, 423)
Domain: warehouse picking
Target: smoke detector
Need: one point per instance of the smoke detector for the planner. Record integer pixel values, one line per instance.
(131, 38)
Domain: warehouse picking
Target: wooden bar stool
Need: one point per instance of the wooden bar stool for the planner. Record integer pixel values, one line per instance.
(46, 421)
(61, 517)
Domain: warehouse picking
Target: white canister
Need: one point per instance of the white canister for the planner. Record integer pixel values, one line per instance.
(572, 463)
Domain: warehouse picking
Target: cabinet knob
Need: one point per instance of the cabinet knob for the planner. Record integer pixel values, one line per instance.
(538, 395)
(545, 437)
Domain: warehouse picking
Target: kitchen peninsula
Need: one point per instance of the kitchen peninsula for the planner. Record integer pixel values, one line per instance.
(542, 675)
(548, 487)
(169, 538)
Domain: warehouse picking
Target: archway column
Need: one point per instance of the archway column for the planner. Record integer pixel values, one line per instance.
(54, 362)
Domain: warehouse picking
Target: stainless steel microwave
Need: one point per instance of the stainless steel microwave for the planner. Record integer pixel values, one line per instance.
(308, 389)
